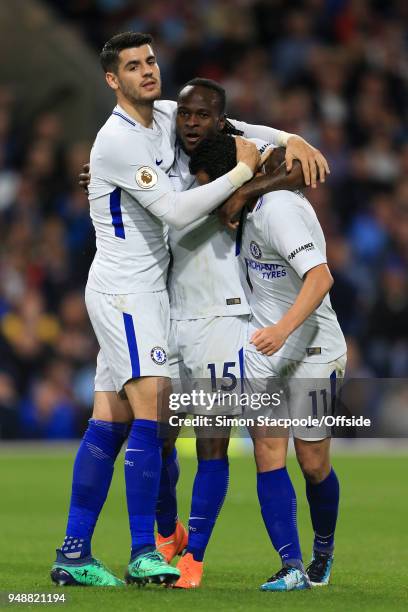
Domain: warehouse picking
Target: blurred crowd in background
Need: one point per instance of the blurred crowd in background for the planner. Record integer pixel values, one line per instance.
(334, 71)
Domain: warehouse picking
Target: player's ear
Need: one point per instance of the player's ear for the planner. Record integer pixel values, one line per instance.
(112, 80)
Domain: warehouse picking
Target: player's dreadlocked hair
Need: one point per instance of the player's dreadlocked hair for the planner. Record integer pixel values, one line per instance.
(109, 56)
(222, 97)
(216, 156)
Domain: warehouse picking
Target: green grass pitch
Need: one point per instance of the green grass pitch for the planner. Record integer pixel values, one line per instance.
(371, 563)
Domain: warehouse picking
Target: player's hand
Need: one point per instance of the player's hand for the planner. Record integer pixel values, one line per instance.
(314, 164)
(248, 153)
(269, 339)
(85, 177)
(230, 211)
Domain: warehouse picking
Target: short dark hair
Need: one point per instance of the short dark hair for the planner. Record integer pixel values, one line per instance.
(216, 156)
(210, 84)
(229, 128)
(109, 55)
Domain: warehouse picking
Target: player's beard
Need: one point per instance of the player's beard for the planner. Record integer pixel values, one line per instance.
(130, 93)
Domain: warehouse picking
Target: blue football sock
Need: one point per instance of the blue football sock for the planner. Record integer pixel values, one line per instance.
(166, 510)
(93, 470)
(209, 491)
(142, 476)
(277, 498)
(323, 501)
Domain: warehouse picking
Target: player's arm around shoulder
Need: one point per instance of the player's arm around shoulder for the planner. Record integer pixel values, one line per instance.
(314, 164)
(272, 177)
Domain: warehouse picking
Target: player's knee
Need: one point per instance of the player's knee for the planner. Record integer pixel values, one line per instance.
(109, 407)
(212, 448)
(270, 454)
(314, 465)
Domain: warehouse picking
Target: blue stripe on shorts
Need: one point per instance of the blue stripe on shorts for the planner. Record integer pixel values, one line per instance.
(132, 344)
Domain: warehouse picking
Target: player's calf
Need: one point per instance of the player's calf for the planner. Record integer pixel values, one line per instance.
(314, 459)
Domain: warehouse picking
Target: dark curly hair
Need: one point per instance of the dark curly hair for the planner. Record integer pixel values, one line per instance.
(216, 156)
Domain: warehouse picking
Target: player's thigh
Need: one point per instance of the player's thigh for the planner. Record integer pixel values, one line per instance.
(266, 397)
(270, 443)
(180, 383)
(261, 371)
(265, 404)
(132, 331)
(149, 398)
(212, 448)
(269, 452)
(108, 406)
(179, 374)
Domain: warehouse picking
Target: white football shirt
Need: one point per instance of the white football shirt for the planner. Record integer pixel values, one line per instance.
(282, 240)
(128, 162)
(205, 276)
(131, 197)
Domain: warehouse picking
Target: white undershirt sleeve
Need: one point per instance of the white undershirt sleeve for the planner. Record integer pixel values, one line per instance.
(180, 209)
(263, 132)
(128, 163)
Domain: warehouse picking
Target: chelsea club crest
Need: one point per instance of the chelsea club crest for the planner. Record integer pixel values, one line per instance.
(255, 250)
(158, 355)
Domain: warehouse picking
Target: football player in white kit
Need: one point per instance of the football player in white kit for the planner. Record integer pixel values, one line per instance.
(108, 407)
(293, 334)
(207, 303)
(131, 198)
(209, 312)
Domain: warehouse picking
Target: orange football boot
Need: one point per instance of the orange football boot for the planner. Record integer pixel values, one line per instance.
(191, 572)
(174, 544)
